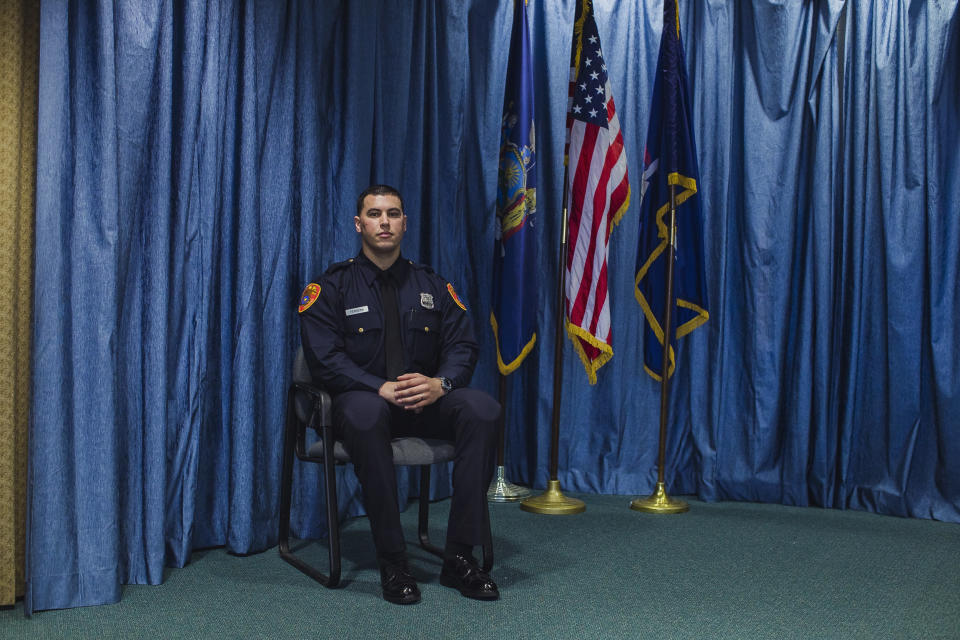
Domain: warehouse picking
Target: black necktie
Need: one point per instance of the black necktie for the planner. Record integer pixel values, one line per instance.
(393, 349)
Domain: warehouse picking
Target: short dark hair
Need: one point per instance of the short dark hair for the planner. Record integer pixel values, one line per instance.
(378, 190)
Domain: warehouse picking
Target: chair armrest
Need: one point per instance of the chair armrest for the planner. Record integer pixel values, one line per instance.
(321, 404)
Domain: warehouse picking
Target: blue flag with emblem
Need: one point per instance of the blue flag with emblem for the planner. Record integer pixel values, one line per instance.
(670, 159)
(513, 316)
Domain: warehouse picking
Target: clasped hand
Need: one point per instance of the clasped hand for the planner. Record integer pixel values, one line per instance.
(412, 391)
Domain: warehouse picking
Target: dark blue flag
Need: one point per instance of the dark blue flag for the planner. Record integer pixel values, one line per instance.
(670, 159)
(514, 265)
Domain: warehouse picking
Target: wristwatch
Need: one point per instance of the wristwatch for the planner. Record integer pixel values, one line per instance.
(445, 384)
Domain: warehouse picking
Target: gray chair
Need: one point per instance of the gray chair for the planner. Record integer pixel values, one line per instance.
(310, 407)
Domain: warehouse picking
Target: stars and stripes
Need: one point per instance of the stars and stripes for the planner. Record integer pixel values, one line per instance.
(598, 193)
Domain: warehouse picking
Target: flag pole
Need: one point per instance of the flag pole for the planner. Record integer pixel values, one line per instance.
(552, 501)
(659, 501)
(516, 201)
(500, 489)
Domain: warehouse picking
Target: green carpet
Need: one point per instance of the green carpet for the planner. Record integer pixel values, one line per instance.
(724, 570)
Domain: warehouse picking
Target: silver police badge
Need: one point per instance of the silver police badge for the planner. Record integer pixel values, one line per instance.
(426, 300)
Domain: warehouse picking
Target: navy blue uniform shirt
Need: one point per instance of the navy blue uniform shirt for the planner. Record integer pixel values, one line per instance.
(341, 326)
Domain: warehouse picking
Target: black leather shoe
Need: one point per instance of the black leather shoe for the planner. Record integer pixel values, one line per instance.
(462, 573)
(398, 585)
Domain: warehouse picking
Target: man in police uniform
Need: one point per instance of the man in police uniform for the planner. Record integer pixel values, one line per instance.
(394, 345)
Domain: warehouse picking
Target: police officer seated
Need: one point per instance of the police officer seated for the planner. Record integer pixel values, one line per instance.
(395, 347)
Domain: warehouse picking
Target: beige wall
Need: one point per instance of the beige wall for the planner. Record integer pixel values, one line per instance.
(19, 38)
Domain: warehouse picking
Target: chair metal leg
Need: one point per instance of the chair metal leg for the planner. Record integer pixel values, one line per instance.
(332, 579)
(333, 510)
(330, 491)
(424, 514)
(286, 477)
(487, 540)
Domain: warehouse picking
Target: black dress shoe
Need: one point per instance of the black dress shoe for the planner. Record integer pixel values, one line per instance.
(462, 573)
(398, 585)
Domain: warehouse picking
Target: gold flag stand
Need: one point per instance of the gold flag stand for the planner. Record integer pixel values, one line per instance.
(659, 501)
(552, 501)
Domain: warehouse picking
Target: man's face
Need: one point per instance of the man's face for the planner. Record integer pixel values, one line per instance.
(381, 224)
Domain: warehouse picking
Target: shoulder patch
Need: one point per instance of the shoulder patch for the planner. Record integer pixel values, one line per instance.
(309, 296)
(456, 298)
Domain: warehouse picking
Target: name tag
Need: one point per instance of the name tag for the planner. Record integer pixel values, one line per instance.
(356, 310)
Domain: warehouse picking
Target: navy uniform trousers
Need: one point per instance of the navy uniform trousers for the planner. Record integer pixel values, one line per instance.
(366, 423)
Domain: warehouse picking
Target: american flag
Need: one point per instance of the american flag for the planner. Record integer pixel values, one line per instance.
(598, 193)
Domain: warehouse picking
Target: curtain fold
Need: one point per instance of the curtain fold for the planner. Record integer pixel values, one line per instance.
(899, 390)
(19, 31)
(198, 164)
(768, 177)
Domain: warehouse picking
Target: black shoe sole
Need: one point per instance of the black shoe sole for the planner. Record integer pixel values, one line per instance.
(453, 583)
(411, 599)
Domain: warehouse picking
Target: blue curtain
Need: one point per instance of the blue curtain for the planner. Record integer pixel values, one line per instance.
(897, 375)
(198, 164)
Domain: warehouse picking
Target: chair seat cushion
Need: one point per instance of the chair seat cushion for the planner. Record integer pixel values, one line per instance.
(408, 451)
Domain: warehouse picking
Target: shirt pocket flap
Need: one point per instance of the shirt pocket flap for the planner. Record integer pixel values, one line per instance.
(363, 322)
(425, 321)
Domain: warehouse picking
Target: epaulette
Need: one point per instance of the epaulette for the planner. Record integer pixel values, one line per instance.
(338, 266)
(421, 267)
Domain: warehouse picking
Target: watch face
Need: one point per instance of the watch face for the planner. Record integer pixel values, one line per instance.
(445, 384)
